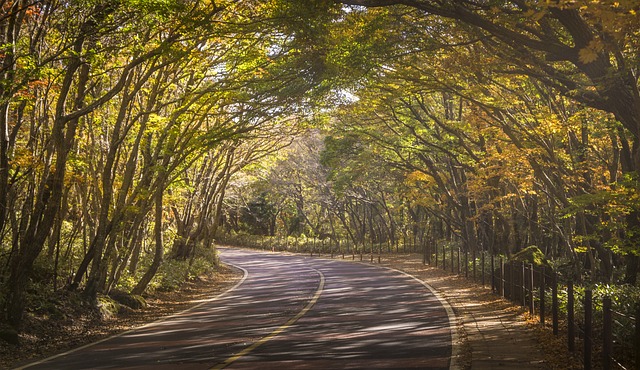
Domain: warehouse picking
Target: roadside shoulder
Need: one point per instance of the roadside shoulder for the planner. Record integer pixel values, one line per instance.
(492, 332)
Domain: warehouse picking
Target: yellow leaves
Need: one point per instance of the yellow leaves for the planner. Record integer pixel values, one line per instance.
(591, 52)
(419, 188)
(156, 122)
(581, 249)
(418, 176)
(615, 18)
(23, 158)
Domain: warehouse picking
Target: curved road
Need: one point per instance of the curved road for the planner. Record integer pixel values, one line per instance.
(289, 312)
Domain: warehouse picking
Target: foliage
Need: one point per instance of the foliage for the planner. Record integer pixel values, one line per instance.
(123, 123)
(612, 206)
(531, 254)
(137, 133)
(173, 273)
(624, 304)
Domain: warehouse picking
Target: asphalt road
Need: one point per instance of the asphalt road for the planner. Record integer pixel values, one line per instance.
(289, 312)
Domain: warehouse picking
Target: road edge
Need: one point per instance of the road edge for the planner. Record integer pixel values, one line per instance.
(245, 274)
(454, 321)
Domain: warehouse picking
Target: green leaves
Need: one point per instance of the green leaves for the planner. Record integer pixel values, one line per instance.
(164, 9)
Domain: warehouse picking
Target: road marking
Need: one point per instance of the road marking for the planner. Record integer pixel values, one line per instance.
(279, 330)
(456, 350)
(244, 277)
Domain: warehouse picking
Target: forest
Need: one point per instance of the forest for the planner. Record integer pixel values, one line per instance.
(136, 135)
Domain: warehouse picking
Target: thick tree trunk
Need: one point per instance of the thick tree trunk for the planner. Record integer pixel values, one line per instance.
(633, 260)
(631, 273)
(159, 246)
(49, 195)
(9, 32)
(4, 162)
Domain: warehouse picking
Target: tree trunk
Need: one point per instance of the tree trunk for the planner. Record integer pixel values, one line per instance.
(159, 247)
(49, 195)
(633, 260)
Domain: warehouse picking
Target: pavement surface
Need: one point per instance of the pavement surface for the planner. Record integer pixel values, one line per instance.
(291, 312)
(496, 334)
(492, 331)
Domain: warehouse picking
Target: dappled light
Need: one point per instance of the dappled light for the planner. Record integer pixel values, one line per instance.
(495, 140)
(363, 315)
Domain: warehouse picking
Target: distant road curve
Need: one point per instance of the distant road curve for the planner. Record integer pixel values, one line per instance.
(289, 312)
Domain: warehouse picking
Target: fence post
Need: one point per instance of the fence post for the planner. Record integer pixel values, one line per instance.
(542, 296)
(588, 330)
(554, 302)
(474, 263)
(493, 277)
(444, 258)
(524, 285)
(501, 277)
(571, 333)
(531, 291)
(453, 265)
(606, 333)
(637, 341)
(466, 264)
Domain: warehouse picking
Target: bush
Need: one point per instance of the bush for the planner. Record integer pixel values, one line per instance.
(624, 299)
(174, 273)
(531, 254)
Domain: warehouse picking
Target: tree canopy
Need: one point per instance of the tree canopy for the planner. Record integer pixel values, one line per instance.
(137, 133)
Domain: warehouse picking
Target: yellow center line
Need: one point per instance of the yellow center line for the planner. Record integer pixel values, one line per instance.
(277, 331)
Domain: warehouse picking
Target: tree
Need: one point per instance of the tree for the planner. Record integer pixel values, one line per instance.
(98, 129)
(586, 51)
(49, 193)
